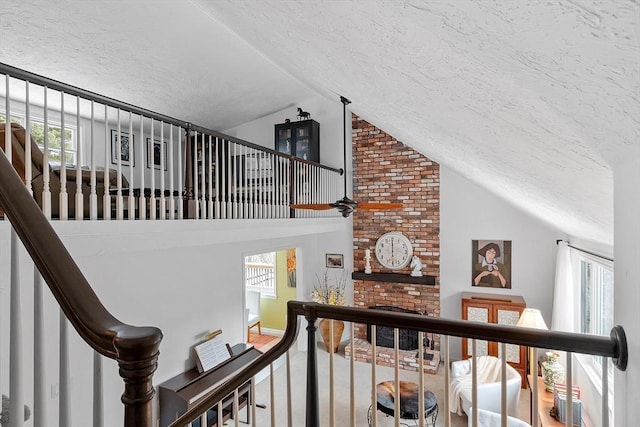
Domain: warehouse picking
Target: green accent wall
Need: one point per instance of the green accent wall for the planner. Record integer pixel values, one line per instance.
(273, 311)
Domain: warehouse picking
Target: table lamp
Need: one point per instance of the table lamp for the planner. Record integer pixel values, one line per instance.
(532, 318)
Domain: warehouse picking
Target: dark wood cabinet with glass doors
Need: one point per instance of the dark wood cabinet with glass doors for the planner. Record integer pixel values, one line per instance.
(300, 139)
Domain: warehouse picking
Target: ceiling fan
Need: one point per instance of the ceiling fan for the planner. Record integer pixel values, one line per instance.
(346, 205)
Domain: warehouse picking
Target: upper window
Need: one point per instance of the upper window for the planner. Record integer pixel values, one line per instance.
(260, 273)
(595, 280)
(54, 139)
(596, 297)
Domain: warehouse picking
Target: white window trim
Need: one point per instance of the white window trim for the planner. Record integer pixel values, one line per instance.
(267, 293)
(22, 119)
(592, 371)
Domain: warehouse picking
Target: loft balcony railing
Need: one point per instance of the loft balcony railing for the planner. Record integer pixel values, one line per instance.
(86, 156)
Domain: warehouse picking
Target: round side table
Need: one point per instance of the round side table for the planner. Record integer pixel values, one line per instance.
(409, 407)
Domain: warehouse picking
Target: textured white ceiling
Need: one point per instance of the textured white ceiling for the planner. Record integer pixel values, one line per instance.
(536, 101)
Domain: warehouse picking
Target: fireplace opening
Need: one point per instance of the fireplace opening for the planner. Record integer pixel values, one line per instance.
(407, 339)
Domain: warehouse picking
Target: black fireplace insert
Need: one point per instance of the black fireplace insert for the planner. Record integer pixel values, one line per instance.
(407, 339)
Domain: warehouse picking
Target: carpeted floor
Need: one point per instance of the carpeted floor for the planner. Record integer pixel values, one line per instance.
(342, 399)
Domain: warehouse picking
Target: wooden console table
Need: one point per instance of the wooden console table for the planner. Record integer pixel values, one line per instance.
(545, 403)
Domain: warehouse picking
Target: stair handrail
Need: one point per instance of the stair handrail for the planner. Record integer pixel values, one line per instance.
(135, 348)
(614, 346)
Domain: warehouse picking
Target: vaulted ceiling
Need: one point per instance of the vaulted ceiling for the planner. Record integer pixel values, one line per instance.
(536, 101)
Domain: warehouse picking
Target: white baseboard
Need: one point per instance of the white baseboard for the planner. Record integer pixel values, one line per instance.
(276, 332)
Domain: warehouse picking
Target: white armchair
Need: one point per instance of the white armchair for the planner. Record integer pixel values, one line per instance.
(492, 419)
(252, 312)
(489, 386)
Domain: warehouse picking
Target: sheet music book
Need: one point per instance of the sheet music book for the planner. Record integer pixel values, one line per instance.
(211, 353)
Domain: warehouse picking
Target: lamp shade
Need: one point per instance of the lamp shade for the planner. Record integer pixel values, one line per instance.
(532, 318)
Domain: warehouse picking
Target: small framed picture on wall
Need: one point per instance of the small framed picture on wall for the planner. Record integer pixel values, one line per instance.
(335, 261)
(127, 152)
(154, 154)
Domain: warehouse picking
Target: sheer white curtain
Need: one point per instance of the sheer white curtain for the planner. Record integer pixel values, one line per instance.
(564, 294)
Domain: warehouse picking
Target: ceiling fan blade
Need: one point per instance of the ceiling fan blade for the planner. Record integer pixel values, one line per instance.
(379, 206)
(313, 206)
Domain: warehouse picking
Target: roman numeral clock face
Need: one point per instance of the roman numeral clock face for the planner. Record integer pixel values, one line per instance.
(394, 250)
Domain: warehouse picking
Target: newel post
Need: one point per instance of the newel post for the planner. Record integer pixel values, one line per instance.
(313, 405)
(137, 356)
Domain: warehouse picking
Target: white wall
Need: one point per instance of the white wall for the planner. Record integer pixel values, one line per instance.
(627, 285)
(469, 212)
(184, 277)
(327, 113)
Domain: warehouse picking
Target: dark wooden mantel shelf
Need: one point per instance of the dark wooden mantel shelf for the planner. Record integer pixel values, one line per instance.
(394, 278)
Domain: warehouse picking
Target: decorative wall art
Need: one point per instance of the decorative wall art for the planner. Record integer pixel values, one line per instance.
(491, 263)
(153, 154)
(335, 261)
(291, 268)
(127, 151)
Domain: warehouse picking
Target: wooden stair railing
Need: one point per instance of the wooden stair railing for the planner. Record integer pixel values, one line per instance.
(614, 346)
(134, 348)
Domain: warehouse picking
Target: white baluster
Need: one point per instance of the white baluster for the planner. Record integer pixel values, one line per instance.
(63, 197)
(474, 383)
(196, 176)
(236, 180)
(180, 168)
(246, 174)
(396, 377)
(217, 179)
(98, 407)
(172, 197)
(352, 376)
(252, 399)
(569, 381)
(46, 173)
(230, 170)
(605, 392)
(131, 201)
(272, 393)
(106, 198)
(236, 404)
(289, 405)
(374, 392)
(119, 198)
(7, 133)
(332, 407)
(223, 183)
(203, 174)
(210, 177)
(503, 381)
(39, 384)
(79, 200)
(28, 171)
(65, 401)
(534, 380)
(142, 198)
(421, 378)
(152, 173)
(163, 200)
(93, 196)
(16, 386)
(447, 383)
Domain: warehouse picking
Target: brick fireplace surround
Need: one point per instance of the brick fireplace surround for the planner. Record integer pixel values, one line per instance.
(387, 170)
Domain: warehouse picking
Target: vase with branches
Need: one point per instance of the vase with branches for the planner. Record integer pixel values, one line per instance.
(328, 290)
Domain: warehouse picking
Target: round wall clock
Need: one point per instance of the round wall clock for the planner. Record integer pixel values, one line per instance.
(394, 250)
